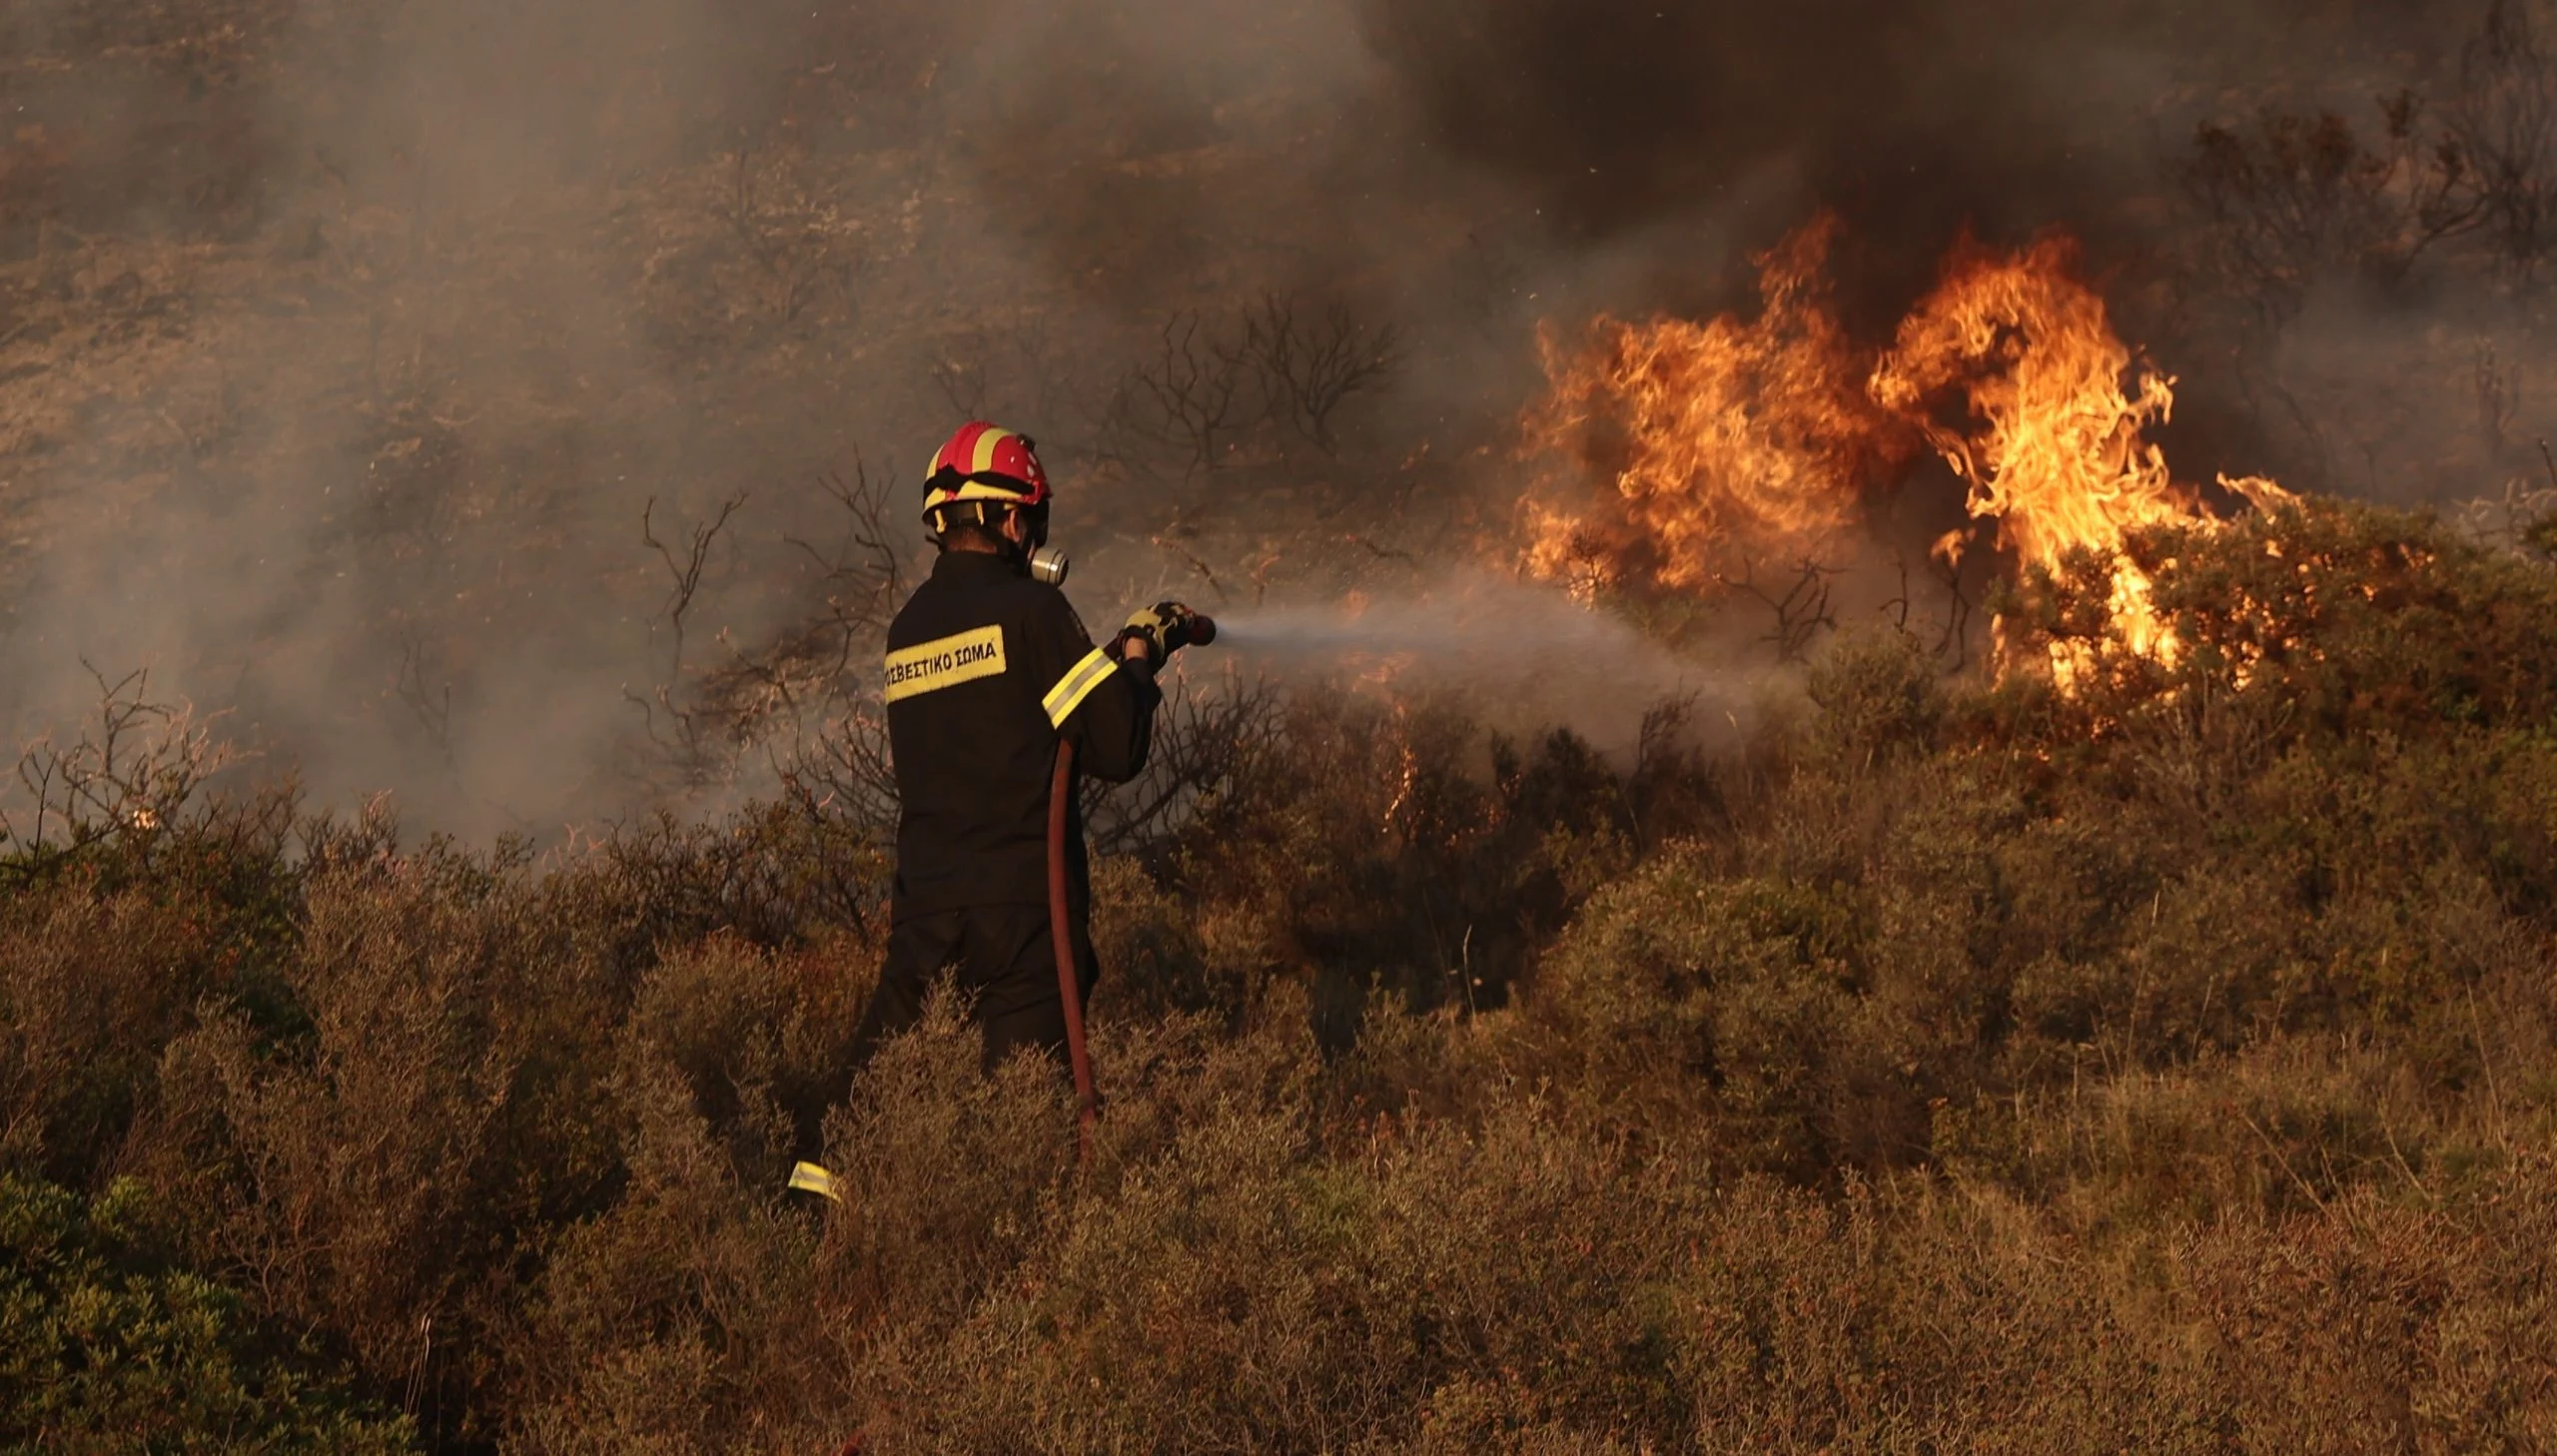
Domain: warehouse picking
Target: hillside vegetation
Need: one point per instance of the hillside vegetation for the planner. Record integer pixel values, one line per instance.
(2161, 1064)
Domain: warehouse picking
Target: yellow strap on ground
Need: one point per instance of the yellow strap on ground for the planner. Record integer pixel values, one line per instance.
(1077, 685)
(807, 1178)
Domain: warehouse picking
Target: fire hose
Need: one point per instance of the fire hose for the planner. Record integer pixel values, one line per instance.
(1198, 630)
(1060, 935)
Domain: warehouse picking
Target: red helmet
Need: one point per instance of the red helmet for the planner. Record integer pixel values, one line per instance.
(984, 463)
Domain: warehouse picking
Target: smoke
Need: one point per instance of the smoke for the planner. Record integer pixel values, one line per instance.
(1521, 656)
(1911, 120)
(343, 344)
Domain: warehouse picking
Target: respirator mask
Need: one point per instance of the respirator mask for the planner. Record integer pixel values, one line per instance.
(1047, 563)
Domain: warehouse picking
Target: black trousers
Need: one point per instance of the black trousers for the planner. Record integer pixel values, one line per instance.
(1003, 961)
(999, 957)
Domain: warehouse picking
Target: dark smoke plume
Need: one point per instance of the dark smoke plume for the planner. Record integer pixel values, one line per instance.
(1910, 119)
(343, 345)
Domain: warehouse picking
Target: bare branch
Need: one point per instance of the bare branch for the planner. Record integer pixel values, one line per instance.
(1165, 540)
(800, 241)
(1195, 384)
(1205, 735)
(1802, 609)
(1310, 369)
(686, 574)
(431, 708)
(139, 767)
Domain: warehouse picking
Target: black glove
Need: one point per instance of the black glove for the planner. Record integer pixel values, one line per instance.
(1165, 628)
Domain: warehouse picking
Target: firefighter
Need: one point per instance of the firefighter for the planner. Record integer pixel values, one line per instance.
(988, 668)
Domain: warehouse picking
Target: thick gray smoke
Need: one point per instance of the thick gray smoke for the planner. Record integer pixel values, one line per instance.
(343, 345)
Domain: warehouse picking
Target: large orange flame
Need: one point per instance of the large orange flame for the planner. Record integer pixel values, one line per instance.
(1731, 440)
(1719, 440)
(2052, 449)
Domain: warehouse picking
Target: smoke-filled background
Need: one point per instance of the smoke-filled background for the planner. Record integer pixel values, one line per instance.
(518, 406)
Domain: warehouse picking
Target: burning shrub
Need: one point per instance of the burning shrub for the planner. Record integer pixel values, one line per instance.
(1717, 440)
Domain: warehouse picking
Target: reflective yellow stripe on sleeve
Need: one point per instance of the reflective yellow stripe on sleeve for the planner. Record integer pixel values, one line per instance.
(1077, 685)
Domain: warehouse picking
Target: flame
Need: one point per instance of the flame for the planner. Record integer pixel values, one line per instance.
(1763, 438)
(2054, 450)
(1719, 438)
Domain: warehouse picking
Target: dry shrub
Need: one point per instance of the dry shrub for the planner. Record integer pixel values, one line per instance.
(436, 1100)
(92, 985)
(763, 1038)
(944, 1172)
(2167, 1066)
(2370, 1326)
(1536, 1284)
(1164, 955)
(369, 1162)
(1242, 1291)
(690, 1311)
(681, 1320)
(1926, 1321)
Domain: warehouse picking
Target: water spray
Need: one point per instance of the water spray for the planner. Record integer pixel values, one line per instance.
(1528, 657)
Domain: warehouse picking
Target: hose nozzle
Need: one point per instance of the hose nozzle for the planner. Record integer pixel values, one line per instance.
(1201, 630)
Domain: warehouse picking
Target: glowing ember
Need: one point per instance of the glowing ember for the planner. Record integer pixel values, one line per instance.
(1721, 439)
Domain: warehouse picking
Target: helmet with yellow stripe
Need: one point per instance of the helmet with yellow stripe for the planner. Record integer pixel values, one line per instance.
(983, 470)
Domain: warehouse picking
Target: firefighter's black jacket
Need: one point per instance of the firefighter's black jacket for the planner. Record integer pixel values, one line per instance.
(985, 670)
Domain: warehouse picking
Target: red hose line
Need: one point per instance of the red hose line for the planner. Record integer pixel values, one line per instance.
(1069, 984)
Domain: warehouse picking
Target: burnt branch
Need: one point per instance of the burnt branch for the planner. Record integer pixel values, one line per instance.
(1311, 366)
(686, 573)
(1010, 368)
(1955, 638)
(1189, 396)
(431, 707)
(1202, 736)
(2289, 197)
(864, 574)
(133, 771)
(675, 721)
(963, 385)
(1165, 540)
(800, 241)
(1801, 608)
(2501, 140)
(2498, 398)
(843, 775)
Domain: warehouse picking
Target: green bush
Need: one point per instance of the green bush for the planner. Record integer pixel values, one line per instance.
(108, 1346)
